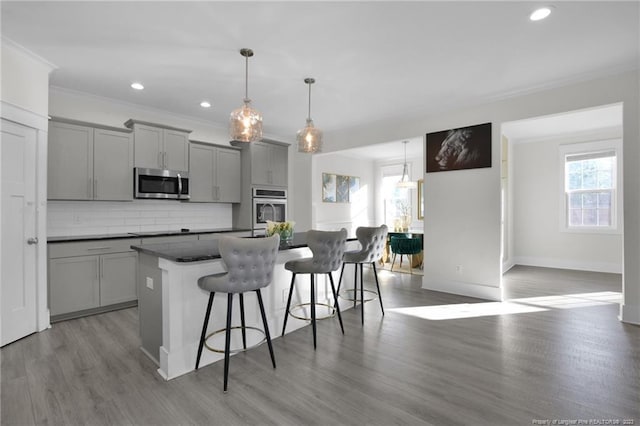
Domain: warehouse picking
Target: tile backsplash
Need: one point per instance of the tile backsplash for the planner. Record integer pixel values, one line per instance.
(70, 218)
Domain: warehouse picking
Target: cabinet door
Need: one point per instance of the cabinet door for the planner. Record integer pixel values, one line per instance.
(70, 162)
(73, 284)
(118, 278)
(228, 176)
(278, 164)
(113, 165)
(147, 141)
(201, 180)
(176, 150)
(260, 164)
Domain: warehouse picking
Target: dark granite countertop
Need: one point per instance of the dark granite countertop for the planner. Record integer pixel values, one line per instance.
(194, 251)
(98, 237)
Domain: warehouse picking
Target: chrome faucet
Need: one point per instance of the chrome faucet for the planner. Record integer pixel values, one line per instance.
(273, 209)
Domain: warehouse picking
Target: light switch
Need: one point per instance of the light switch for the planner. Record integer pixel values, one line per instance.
(150, 283)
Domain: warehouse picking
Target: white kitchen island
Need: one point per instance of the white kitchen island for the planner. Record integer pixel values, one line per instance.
(171, 305)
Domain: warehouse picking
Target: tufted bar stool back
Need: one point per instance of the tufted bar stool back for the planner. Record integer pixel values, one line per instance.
(327, 248)
(249, 263)
(373, 241)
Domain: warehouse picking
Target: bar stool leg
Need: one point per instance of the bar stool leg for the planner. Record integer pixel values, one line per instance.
(355, 285)
(335, 296)
(361, 292)
(204, 329)
(266, 327)
(244, 330)
(394, 261)
(227, 340)
(340, 280)
(286, 311)
(375, 274)
(313, 308)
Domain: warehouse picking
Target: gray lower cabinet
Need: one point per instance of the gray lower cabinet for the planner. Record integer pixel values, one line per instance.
(91, 276)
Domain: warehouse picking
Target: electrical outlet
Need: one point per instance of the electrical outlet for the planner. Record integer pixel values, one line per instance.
(76, 219)
(459, 269)
(150, 283)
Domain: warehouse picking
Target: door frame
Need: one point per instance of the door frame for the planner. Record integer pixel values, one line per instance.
(40, 123)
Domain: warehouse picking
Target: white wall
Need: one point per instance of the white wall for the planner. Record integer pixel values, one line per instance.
(538, 239)
(25, 79)
(462, 215)
(358, 212)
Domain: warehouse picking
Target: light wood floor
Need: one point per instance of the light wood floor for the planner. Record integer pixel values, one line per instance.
(568, 361)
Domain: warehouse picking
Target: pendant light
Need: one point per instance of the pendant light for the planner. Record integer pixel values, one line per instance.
(405, 182)
(245, 123)
(309, 138)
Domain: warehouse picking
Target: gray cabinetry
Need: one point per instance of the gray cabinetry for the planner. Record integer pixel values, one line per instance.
(160, 147)
(269, 164)
(89, 163)
(90, 277)
(73, 284)
(215, 173)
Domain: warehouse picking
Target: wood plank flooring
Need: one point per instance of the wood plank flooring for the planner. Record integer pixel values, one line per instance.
(567, 361)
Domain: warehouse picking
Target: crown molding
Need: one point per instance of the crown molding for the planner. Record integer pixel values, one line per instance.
(7, 42)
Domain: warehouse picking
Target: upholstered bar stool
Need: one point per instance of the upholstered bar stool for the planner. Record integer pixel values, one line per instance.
(327, 248)
(249, 263)
(373, 241)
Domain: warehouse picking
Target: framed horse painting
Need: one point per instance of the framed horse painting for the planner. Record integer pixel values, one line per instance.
(458, 149)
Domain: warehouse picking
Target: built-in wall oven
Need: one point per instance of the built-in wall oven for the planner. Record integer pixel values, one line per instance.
(268, 204)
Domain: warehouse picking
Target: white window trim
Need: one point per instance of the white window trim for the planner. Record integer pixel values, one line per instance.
(616, 215)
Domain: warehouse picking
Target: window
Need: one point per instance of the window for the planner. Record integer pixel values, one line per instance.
(397, 201)
(590, 192)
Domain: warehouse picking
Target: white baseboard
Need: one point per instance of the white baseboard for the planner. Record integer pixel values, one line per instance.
(630, 314)
(507, 265)
(552, 262)
(464, 289)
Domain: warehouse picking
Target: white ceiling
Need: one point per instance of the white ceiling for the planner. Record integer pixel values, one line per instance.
(371, 60)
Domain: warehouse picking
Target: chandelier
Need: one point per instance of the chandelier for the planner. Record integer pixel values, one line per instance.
(245, 123)
(309, 138)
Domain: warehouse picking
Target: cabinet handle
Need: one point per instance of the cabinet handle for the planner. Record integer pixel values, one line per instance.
(164, 160)
(160, 160)
(95, 188)
(98, 248)
(98, 270)
(270, 176)
(89, 185)
(101, 267)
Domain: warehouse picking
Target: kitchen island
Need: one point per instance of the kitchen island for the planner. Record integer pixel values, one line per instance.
(171, 306)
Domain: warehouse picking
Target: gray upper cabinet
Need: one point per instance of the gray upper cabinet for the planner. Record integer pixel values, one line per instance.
(160, 147)
(269, 164)
(89, 163)
(215, 173)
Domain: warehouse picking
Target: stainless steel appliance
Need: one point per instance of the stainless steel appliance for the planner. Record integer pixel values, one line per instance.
(268, 204)
(159, 183)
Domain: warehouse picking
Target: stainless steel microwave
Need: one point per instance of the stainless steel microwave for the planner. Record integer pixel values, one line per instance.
(159, 183)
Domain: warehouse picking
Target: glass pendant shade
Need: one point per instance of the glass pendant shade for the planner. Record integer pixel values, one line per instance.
(405, 181)
(309, 138)
(245, 123)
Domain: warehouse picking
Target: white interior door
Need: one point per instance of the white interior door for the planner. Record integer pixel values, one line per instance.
(18, 154)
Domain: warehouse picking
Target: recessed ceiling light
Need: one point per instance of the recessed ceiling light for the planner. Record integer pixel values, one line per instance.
(540, 13)
(205, 104)
(137, 86)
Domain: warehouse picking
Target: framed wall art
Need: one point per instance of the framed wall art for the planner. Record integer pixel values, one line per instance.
(328, 188)
(459, 149)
